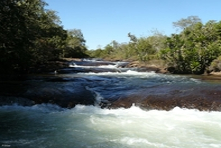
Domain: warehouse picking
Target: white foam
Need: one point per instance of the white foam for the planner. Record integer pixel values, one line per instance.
(127, 73)
(133, 127)
(88, 67)
(113, 65)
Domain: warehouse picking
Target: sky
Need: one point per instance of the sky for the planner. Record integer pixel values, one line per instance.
(102, 21)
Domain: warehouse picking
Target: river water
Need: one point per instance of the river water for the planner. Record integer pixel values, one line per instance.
(88, 126)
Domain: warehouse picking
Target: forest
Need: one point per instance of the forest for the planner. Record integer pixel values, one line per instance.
(31, 35)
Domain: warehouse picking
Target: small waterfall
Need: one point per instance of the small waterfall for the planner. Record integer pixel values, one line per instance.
(99, 100)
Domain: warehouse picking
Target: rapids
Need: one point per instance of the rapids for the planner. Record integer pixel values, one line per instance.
(91, 127)
(104, 104)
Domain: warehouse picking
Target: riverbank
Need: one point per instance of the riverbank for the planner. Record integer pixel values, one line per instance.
(160, 67)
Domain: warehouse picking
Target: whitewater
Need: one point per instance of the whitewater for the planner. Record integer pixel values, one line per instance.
(89, 126)
(48, 125)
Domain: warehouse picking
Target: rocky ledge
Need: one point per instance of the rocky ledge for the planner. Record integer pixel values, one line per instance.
(203, 99)
(160, 97)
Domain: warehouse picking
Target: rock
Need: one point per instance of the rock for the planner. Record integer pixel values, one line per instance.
(86, 70)
(144, 67)
(202, 99)
(66, 98)
(61, 91)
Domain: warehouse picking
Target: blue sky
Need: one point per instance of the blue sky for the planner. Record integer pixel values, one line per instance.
(102, 21)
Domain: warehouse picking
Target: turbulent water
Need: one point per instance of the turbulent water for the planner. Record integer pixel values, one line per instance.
(47, 125)
(91, 127)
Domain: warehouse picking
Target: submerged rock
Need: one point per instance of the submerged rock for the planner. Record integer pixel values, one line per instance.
(64, 95)
(65, 92)
(203, 99)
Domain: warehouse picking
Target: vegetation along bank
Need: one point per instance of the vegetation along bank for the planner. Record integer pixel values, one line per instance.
(32, 37)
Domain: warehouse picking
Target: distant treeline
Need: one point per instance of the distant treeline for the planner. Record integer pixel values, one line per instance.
(31, 35)
(194, 50)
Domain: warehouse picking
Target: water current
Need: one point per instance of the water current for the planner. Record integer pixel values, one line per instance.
(88, 126)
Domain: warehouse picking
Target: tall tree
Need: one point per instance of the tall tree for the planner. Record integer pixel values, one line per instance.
(28, 34)
(75, 44)
(186, 22)
(76, 38)
(19, 19)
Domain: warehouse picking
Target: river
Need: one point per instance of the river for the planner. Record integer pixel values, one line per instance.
(86, 124)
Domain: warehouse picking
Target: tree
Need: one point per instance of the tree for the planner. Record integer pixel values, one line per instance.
(186, 22)
(144, 49)
(29, 34)
(75, 44)
(193, 50)
(76, 38)
(52, 38)
(115, 44)
(19, 24)
(132, 37)
(108, 49)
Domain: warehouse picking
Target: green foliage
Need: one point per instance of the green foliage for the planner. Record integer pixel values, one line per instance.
(98, 53)
(17, 33)
(75, 44)
(51, 40)
(143, 49)
(29, 35)
(190, 51)
(193, 50)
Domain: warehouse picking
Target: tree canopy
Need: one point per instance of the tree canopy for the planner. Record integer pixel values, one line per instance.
(195, 50)
(30, 34)
(187, 22)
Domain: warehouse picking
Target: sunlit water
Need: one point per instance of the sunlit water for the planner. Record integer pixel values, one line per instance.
(49, 126)
(46, 126)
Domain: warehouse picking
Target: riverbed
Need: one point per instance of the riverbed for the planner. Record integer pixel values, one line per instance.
(95, 103)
